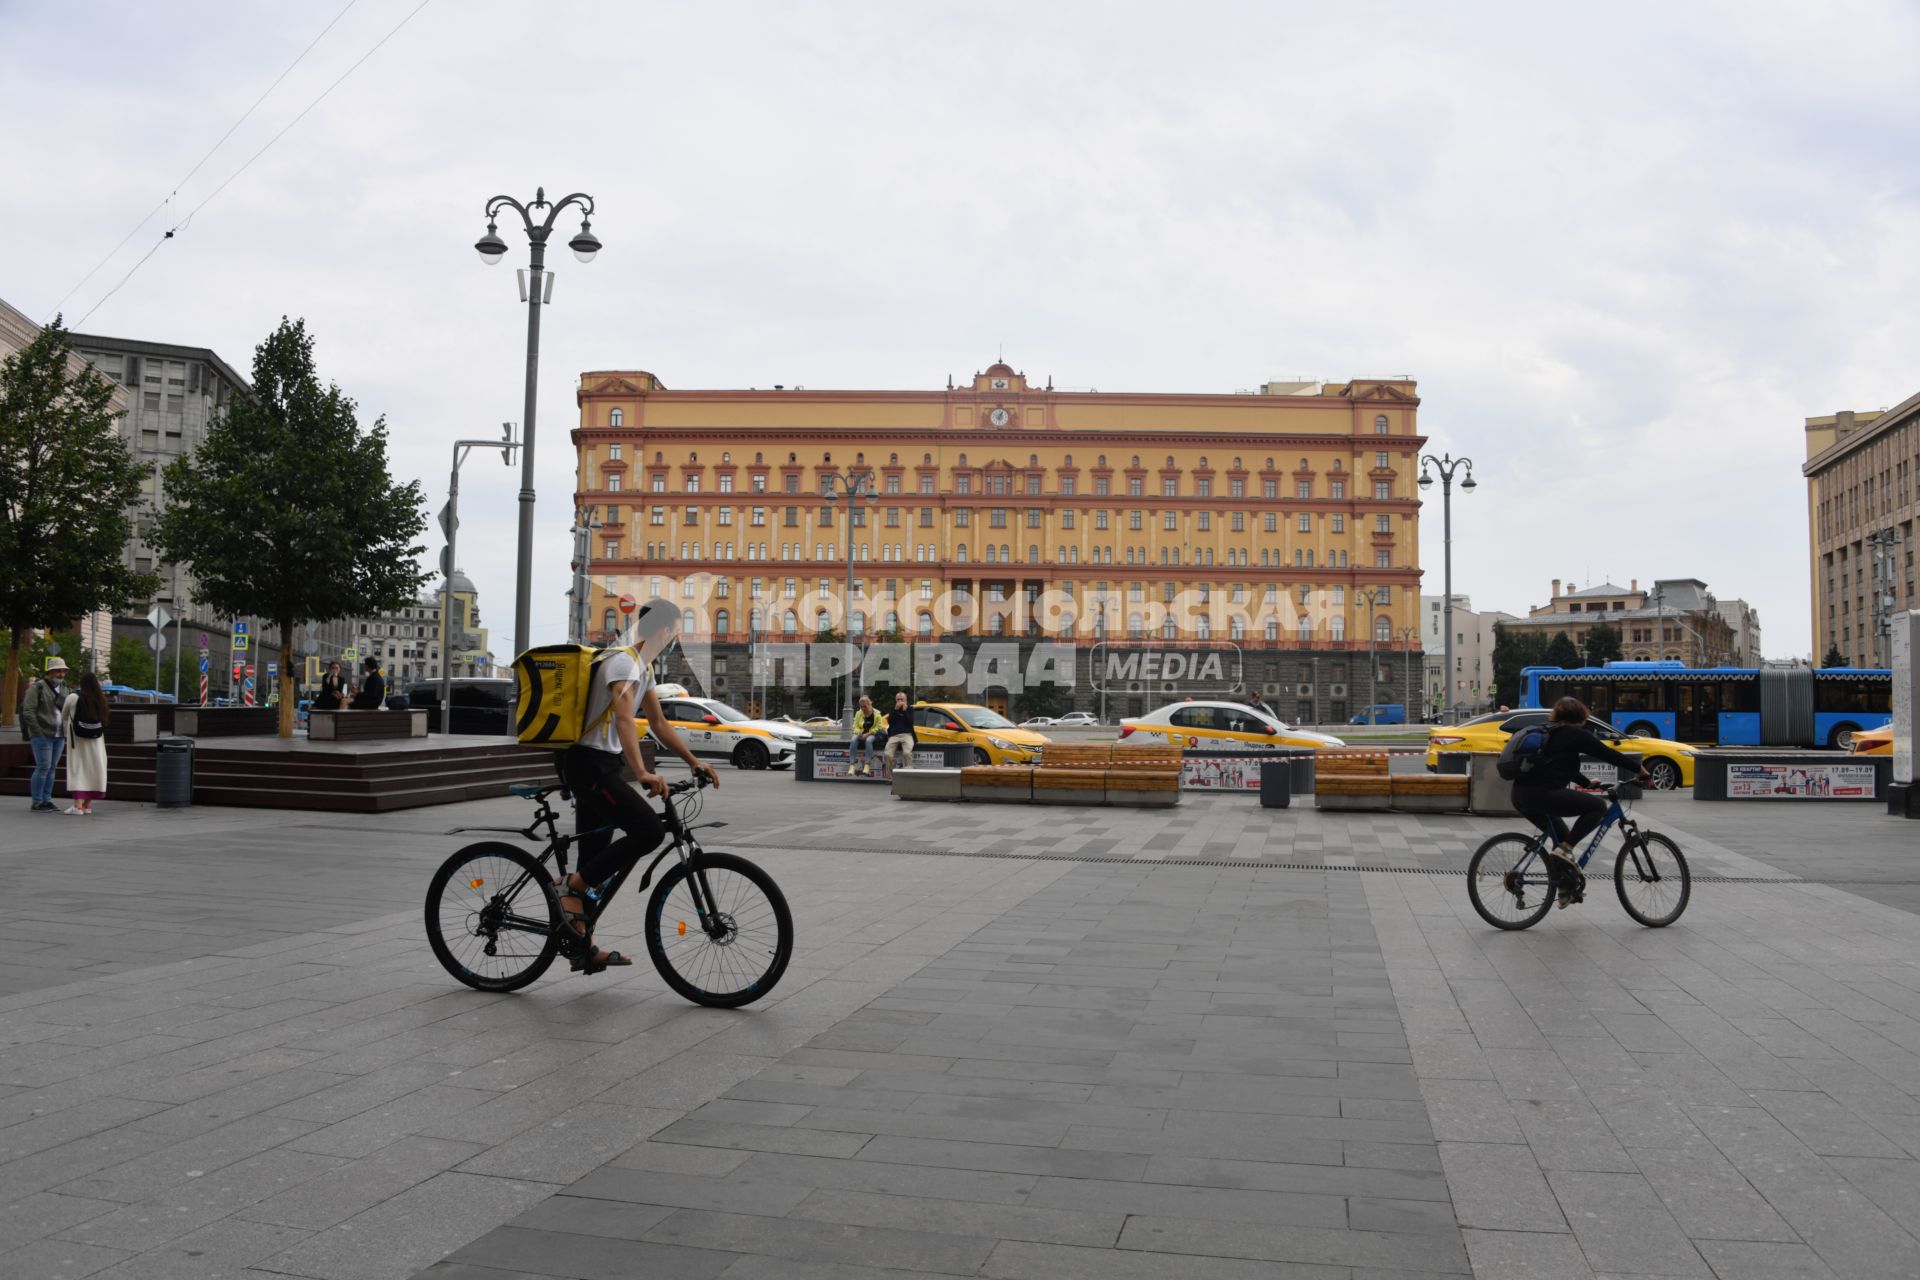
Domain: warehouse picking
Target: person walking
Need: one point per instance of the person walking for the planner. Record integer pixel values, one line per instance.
(40, 718)
(373, 689)
(83, 717)
(867, 725)
(899, 749)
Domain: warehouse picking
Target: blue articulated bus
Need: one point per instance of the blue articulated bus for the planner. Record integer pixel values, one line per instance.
(1723, 706)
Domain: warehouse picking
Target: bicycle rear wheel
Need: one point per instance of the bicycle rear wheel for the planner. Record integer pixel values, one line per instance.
(1652, 880)
(734, 951)
(492, 916)
(1506, 895)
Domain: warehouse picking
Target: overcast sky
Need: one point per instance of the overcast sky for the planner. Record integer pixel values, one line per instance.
(1626, 250)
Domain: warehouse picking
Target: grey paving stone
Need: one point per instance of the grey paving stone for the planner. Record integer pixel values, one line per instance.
(891, 1179)
(1470, 1111)
(1709, 1198)
(1022, 1260)
(62, 1260)
(741, 1192)
(46, 1213)
(359, 1185)
(823, 1242)
(217, 1251)
(1525, 1255)
(1571, 1135)
(1310, 1179)
(199, 1201)
(1055, 1225)
(1004, 1158)
(755, 1137)
(1295, 1244)
(410, 1230)
(1090, 1195)
(573, 1143)
(1622, 1226)
(670, 1157)
(592, 1257)
(1753, 1260)
(570, 1214)
(146, 1175)
(1498, 1187)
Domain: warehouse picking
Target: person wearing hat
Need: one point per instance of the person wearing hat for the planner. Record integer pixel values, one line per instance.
(40, 717)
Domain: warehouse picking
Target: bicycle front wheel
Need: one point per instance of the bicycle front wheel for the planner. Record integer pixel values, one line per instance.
(1508, 883)
(719, 931)
(1652, 880)
(492, 917)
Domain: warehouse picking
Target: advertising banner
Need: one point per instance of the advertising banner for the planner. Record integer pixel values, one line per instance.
(1800, 782)
(837, 763)
(1222, 773)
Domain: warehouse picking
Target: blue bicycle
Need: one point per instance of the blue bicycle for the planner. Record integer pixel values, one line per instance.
(1511, 889)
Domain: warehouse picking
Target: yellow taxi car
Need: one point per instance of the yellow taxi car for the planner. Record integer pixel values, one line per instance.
(994, 738)
(1670, 764)
(713, 730)
(1221, 724)
(1873, 742)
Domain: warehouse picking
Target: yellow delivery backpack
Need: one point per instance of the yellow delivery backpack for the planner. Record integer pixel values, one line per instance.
(551, 684)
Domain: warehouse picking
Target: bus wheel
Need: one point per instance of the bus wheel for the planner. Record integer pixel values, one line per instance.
(1841, 739)
(1641, 729)
(1664, 774)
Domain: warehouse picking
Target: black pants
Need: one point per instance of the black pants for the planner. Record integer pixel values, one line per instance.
(603, 797)
(1546, 807)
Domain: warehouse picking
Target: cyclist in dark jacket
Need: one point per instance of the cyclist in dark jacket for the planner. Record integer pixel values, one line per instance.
(1543, 795)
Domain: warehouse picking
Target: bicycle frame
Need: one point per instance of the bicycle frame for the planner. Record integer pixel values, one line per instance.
(681, 841)
(1616, 815)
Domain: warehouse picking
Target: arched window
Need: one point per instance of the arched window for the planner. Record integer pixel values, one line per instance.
(689, 623)
(1380, 425)
(997, 625)
(821, 622)
(1006, 556)
(611, 620)
(1306, 629)
(960, 553)
(1033, 554)
(754, 617)
(616, 419)
(926, 624)
(1136, 629)
(859, 622)
(1383, 630)
(1337, 628)
(789, 623)
(1237, 628)
(993, 554)
(1168, 629)
(721, 620)
(1273, 630)
(1203, 629)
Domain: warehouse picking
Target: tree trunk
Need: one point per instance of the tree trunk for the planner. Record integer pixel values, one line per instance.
(10, 683)
(285, 682)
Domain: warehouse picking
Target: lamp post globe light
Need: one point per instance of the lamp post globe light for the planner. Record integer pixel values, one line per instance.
(1447, 465)
(537, 292)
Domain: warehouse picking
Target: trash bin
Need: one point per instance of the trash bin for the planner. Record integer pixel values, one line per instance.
(173, 772)
(1276, 784)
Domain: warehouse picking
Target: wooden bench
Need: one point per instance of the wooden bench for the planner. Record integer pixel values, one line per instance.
(1352, 791)
(1430, 792)
(365, 726)
(998, 783)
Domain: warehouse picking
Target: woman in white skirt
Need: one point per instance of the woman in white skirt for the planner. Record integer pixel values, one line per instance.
(84, 718)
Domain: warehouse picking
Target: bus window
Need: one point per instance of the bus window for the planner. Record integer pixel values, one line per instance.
(1853, 694)
(1636, 695)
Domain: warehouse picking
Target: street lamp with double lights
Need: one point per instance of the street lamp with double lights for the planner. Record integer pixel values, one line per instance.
(1447, 464)
(537, 291)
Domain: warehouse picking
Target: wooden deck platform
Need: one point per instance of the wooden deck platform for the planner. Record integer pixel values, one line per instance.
(342, 777)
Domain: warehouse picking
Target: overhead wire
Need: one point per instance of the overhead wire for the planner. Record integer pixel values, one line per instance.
(188, 177)
(247, 163)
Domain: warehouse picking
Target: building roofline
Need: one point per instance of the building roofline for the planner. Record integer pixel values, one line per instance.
(173, 350)
(1840, 448)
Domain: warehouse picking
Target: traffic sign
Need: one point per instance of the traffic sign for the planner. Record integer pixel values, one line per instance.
(204, 640)
(159, 617)
(157, 641)
(203, 664)
(448, 521)
(241, 642)
(628, 604)
(242, 627)
(349, 654)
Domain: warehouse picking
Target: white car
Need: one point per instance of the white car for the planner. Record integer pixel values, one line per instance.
(1038, 722)
(1080, 719)
(714, 730)
(1220, 724)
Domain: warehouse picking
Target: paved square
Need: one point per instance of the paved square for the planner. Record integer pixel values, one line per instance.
(1240, 1043)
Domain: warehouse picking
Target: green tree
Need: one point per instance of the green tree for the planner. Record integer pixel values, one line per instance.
(1834, 657)
(132, 663)
(287, 511)
(1041, 700)
(1513, 651)
(67, 482)
(1603, 644)
(1561, 651)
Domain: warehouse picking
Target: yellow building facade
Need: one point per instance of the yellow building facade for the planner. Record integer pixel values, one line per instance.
(1285, 519)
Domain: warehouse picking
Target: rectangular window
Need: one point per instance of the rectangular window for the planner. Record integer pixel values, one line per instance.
(1239, 595)
(1169, 488)
(759, 517)
(659, 515)
(753, 589)
(657, 483)
(1305, 524)
(1134, 487)
(997, 517)
(1033, 486)
(612, 550)
(759, 484)
(1239, 522)
(1303, 489)
(1100, 486)
(1135, 594)
(926, 484)
(726, 484)
(1383, 524)
(1236, 488)
(963, 484)
(1169, 521)
(1383, 595)
(1066, 485)
(893, 484)
(1100, 519)
(693, 484)
(1339, 524)
(1206, 521)
(1339, 488)
(926, 517)
(893, 517)
(1066, 519)
(726, 515)
(613, 484)
(1383, 488)
(613, 453)
(793, 484)
(1133, 519)
(1271, 489)
(1033, 517)
(792, 587)
(859, 517)
(692, 516)
(1382, 460)
(793, 518)
(962, 517)
(1273, 522)
(1203, 488)
(1383, 559)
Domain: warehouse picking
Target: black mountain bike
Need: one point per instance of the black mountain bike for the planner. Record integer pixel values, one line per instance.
(1508, 881)
(717, 926)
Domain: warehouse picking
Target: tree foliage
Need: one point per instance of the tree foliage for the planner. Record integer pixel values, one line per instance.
(132, 664)
(67, 482)
(1834, 657)
(287, 511)
(1603, 644)
(1513, 651)
(1561, 651)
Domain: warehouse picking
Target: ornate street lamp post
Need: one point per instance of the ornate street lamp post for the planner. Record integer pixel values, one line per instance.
(538, 292)
(1447, 464)
(1407, 635)
(852, 485)
(1367, 598)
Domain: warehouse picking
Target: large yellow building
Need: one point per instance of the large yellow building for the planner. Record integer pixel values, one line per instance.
(1284, 521)
(1863, 502)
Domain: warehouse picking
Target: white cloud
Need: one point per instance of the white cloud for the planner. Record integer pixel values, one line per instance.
(1624, 253)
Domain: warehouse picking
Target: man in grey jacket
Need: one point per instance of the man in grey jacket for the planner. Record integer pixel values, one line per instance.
(40, 715)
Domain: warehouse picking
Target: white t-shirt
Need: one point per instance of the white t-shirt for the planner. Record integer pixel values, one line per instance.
(614, 670)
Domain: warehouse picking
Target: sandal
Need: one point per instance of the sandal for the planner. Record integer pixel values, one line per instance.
(576, 926)
(600, 962)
